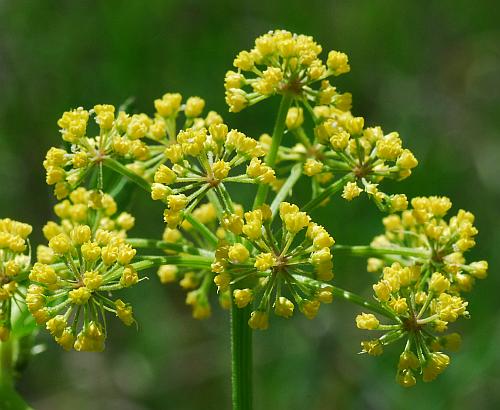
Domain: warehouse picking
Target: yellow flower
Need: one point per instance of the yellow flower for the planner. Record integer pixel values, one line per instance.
(367, 321)
(351, 191)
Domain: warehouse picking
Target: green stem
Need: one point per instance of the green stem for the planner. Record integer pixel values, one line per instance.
(241, 350)
(336, 186)
(359, 300)
(176, 247)
(9, 397)
(202, 229)
(123, 170)
(192, 261)
(6, 363)
(295, 174)
(279, 129)
(367, 251)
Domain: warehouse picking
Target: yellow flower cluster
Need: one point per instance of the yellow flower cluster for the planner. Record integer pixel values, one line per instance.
(84, 207)
(71, 295)
(13, 263)
(259, 268)
(197, 281)
(138, 140)
(282, 63)
(342, 146)
(201, 160)
(423, 276)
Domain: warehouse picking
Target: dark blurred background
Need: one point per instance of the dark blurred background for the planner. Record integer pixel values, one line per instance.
(427, 69)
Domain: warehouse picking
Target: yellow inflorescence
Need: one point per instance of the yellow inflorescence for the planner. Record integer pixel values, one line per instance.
(281, 62)
(13, 262)
(423, 291)
(297, 265)
(86, 258)
(338, 143)
(137, 140)
(201, 160)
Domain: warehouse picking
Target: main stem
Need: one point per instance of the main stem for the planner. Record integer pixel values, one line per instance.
(241, 333)
(9, 397)
(241, 349)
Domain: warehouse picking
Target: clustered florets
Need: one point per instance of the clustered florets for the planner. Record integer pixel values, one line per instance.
(260, 268)
(342, 145)
(86, 258)
(202, 160)
(137, 140)
(14, 262)
(252, 259)
(282, 62)
(423, 292)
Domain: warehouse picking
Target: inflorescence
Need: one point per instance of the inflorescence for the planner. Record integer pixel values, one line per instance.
(422, 290)
(189, 160)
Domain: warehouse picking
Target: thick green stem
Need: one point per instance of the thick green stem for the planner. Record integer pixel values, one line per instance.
(279, 129)
(336, 186)
(6, 363)
(367, 251)
(241, 351)
(9, 397)
(295, 174)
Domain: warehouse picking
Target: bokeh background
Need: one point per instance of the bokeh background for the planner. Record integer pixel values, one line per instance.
(427, 69)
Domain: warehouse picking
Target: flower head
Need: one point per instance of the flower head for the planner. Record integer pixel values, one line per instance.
(204, 159)
(280, 63)
(262, 269)
(86, 259)
(421, 292)
(14, 260)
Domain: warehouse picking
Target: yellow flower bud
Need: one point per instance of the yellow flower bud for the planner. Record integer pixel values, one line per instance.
(340, 140)
(351, 191)
(92, 280)
(56, 325)
(221, 169)
(264, 261)
(438, 283)
(338, 62)
(177, 202)
(124, 312)
(60, 244)
(238, 253)
(258, 320)
(312, 167)
(80, 296)
(284, 307)
(242, 297)
(167, 273)
(164, 175)
(194, 106)
(168, 105)
(294, 118)
(310, 308)
(129, 277)
(367, 321)
(91, 251)
(407, 160)
(80, 234)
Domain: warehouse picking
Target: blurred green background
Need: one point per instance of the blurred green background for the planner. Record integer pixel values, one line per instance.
(427, 69)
